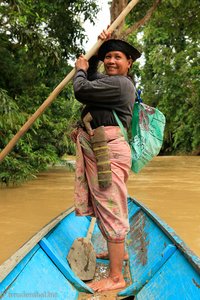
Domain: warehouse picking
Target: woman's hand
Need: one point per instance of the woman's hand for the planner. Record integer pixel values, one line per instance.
(86, 120)
(105, 35)
(81, 63)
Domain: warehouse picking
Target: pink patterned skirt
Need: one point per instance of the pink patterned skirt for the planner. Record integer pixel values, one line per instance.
(108, 205)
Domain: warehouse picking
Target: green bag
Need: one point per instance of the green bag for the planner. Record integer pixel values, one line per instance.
(147, 131)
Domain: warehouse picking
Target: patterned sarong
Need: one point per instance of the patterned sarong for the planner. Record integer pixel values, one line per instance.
(108, 205)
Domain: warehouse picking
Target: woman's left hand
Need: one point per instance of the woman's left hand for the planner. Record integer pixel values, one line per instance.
(86, 120)
(105, 34)
(81, 63)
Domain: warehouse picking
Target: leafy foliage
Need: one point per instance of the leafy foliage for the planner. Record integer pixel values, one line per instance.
(36, 40)
(170, 74)
(45, 142)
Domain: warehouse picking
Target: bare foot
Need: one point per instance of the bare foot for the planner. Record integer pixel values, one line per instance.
(104, 255)
(108, 284)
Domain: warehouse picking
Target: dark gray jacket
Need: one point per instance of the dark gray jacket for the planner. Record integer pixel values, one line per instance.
(102, 93)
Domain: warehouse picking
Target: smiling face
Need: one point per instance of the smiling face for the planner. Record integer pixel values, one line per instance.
(116, 63)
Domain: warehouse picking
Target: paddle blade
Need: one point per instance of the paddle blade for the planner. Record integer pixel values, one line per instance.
(82, 259)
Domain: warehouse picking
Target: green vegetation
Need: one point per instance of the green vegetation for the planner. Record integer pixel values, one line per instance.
(37, 38)
(170, 77)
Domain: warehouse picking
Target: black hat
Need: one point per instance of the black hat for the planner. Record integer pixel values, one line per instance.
(118, 45)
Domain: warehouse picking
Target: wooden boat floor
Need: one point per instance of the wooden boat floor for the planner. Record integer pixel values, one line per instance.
(102, 271)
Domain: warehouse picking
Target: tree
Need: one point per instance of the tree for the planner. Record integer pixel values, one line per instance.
(171, 74)
(36, 39)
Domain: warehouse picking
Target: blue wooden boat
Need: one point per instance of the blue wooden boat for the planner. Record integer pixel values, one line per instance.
(160, 265)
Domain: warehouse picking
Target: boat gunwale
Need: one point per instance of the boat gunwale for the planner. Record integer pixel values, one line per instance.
(8, 265)
(171, 234)
(14, 260)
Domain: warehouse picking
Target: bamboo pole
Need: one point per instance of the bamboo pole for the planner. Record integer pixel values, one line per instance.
(62, 84)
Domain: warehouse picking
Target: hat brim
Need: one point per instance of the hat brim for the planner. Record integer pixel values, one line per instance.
(118, 45)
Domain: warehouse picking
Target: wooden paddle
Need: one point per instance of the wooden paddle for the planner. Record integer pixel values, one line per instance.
(63, 83)
(82, 256)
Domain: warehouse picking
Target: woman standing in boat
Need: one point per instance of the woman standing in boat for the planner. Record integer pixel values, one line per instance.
(103, 155)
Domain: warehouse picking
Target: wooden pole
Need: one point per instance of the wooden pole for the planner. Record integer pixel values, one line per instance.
(62, 84)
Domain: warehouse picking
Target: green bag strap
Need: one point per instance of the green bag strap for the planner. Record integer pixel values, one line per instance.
(123, 130)
(135, 116)
(135, 119)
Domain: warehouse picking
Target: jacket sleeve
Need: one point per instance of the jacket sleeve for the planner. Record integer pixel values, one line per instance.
(92, 72)
(102, 92)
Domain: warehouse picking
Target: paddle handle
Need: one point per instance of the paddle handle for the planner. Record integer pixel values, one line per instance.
(91, 228)
(63, 83)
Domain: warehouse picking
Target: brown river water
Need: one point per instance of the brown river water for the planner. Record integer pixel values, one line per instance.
(168, 185)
